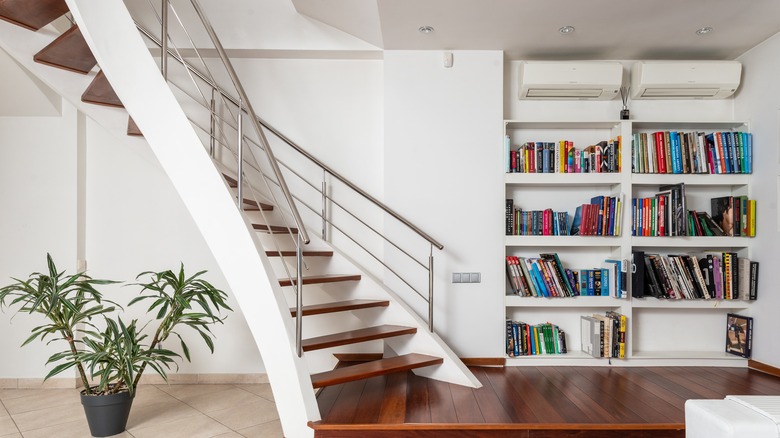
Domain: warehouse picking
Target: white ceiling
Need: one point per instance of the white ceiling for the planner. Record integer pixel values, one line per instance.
(528, 29)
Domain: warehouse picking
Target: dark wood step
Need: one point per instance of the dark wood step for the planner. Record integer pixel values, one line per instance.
(69, 52)
(230, 180)
(319, 279)
(372, 369)
(100, 92)
(252, 205)
(32, 14)
(293, 253)
(356, 336)
(274, 229)
(339, 306)
(132, 128)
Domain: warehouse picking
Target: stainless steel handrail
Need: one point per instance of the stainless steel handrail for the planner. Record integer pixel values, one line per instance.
(244, 106)
(253, 119)
(294, 145)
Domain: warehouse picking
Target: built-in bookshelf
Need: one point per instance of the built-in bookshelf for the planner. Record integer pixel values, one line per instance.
(653, 323)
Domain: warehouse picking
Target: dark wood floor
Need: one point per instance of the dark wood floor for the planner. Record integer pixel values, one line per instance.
(533, 402)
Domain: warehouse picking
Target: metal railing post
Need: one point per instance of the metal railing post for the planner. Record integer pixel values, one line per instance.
(213, 125)
(430, 291)
(240, 176)
(164, 51)
(299, 298)
(324, 205)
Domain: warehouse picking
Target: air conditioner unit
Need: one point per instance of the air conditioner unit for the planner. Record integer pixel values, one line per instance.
(592, 80)
(685, 79)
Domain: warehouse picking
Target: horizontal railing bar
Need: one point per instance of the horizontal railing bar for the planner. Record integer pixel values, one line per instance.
(295, 146)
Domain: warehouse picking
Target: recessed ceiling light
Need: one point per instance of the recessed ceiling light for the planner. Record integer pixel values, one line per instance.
(426, 29)
(704, 31)
(565, 30)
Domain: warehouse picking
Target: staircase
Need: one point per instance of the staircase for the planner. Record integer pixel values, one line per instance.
(257, 277)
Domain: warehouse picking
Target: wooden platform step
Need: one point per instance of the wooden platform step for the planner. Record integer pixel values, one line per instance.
(339, 306)
(372, 369)
(293, 253)
(319, 279)
(32, 14)
(100, 92)
(274, 229)
(252, 205)
(69, 52)
(356, 336)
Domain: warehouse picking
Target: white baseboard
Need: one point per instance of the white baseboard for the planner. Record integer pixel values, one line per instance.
(152, 379)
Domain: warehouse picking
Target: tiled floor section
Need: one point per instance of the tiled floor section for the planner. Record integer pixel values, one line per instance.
(191, 411)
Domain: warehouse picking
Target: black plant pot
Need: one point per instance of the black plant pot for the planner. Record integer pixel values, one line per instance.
(107, 414)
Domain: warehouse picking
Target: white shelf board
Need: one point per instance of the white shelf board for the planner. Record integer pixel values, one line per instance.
(710, 355)
(655, 303)
(575, 302)
(562, 179)
(701, 242)
(718, 179)
(571, 358)
(698, 125)
(571, 124)
(551, 241)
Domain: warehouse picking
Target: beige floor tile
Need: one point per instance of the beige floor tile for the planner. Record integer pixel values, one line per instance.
(3, 411)
(37, 399)
(263, 390)
(185, 392)
(75, 429)
(230, 435)
(246, 415)
(198, 426)
(7, 426)
(17, 435)
(152, 414)
(217, 401)
(53, 416)
(272, 429)
(149, 394)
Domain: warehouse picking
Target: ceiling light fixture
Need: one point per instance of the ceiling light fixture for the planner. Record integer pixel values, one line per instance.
(704, 31)
(426, 29)
(565, 30)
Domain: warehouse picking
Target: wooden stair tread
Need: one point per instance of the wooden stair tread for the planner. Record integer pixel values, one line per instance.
(252, 205)
(293, 253)
(232, 182)
(32, 14)
(100, 92)
(69, 52)
(274, 229)
(339, 306)
(372, 369)
(132, 128)
(356, 336)
(319, 279)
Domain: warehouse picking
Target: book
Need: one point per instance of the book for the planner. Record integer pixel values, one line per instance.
(739, 335)
(722, 210)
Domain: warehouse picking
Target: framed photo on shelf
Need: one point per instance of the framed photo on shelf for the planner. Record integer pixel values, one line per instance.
(739, 335)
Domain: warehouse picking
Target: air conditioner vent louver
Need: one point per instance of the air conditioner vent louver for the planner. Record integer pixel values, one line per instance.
(593, 80)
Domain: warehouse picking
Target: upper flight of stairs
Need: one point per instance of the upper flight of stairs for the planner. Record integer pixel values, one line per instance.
(71, 52)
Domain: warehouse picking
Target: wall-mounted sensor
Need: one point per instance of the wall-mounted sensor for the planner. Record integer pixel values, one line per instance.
(447, 59)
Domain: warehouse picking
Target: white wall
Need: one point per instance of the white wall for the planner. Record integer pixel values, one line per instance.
(38, 194)
(442, 170)
(136, 222)
(758, 100)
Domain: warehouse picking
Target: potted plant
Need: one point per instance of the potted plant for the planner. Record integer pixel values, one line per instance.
(111, 360)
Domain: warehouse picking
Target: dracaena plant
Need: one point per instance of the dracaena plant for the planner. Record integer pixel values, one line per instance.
(115, 356)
